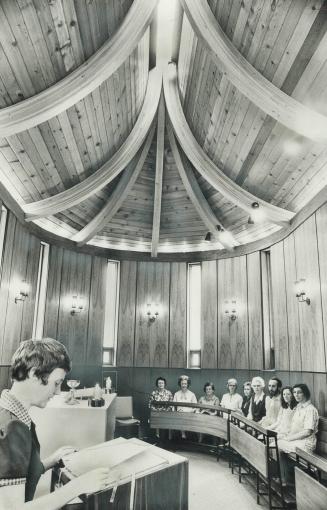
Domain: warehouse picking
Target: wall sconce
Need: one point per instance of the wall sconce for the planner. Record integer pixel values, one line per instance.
(77, 304)
(23, 292)
(257, 214)
(300, 291)
(231, 310)
(152, 312)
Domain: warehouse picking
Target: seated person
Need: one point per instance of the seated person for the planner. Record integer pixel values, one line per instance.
(160, 394)
(247, 392)
(38, 370)
(273, 402)
(184, 395)
(302, 433)
(283, 423)
(304, 424)
(209, 398)
(232, 400)
(257, 409)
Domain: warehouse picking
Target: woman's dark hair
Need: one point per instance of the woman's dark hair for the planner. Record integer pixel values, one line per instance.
(43, 356)
(186, 377)
(209, 383)
(304, 388)
(161, 379)
(293, 402)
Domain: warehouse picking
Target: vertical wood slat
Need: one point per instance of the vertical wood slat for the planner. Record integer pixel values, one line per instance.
(96, 311)
(14, 315)
(178, 315)
(321, 220)
(5, 277)
(311, 327)
(126, 317)
(294, 341)
(254, 312)
(209, 314)
(73, 329)
(50, 328)
(151, 338)
(31, 279)
(279, 307)
(232, 334)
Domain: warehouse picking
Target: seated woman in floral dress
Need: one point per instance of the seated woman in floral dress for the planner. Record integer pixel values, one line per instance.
(302, 433)
(160, 394)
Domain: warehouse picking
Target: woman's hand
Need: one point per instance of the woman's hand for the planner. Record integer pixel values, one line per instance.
(93, 481)
(56, 456)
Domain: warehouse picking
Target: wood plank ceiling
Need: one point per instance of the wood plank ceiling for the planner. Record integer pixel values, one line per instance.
(78, 169)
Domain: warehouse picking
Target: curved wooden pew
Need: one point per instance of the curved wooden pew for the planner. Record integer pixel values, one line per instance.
(311, 475)
(258, 455)
(217, 425)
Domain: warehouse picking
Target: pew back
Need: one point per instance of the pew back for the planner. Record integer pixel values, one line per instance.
(192, 422)
(322, 437)
(309, 492)
(249, 448)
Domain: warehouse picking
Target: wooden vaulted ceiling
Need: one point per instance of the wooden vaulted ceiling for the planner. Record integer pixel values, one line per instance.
(100, 145)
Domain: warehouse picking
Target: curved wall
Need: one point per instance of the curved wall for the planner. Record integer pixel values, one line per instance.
(299, 331)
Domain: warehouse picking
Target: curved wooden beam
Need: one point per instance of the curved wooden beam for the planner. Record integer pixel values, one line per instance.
(158, 177)
(249, 81)
(201, 161)
(83, 80)
(118, 196)
(81, 191)
(194, 191)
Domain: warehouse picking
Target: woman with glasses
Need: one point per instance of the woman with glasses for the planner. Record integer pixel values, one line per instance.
(232, 400)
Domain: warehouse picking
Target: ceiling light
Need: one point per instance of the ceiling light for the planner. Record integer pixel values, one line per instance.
(208, 237)
(257, 214)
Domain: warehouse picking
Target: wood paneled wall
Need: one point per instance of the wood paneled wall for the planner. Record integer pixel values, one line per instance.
(299, 329)
(163, 343)
(72, 273)
(20, 260)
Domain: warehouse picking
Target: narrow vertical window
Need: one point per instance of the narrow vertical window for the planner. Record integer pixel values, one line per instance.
(194, 315)
(269, 353)
(111, 313)
(3, 222)
(41, 291)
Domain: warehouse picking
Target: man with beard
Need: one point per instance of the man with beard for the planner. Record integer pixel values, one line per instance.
(273, 402)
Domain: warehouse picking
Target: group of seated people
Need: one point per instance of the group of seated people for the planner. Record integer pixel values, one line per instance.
(286, 410)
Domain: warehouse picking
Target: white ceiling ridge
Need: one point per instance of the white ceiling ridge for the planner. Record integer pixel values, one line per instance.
(194, 191)
(250, 82)
(201, 161)
(107, 172)
(117, 197)
(84, 80)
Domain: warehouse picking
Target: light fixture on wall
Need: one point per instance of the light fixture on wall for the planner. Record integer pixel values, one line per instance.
(231, 310)
(301, 292)
(152, 312)
(257, 214)
(23, 291)
(77, 304)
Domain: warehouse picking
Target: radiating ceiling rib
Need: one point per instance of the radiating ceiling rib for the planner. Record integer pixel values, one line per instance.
(193, 189)
(73, 196)
(249, 81)
(85, 79)
(158, 178)
(205, 166)
(118, 196)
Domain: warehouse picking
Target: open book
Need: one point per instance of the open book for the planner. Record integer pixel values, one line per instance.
(125, 458)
